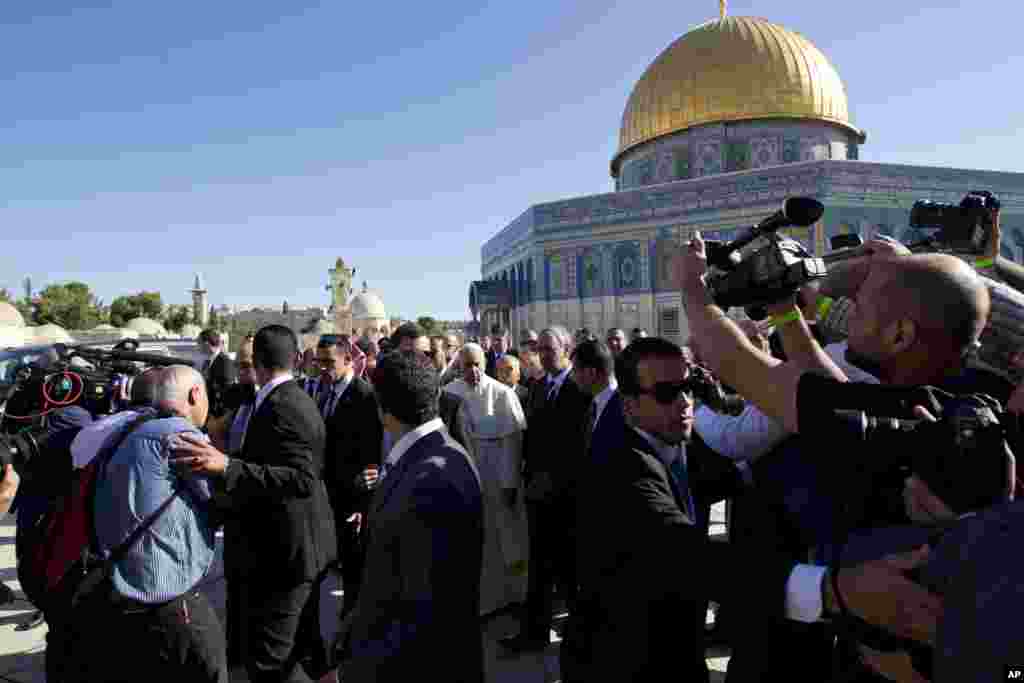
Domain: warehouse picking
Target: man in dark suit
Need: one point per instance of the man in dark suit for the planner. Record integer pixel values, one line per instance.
(494, 354)
(418, 611)
(644, 590)
(553, 458)
(593, 368)
(279, 533)
(352, 457)
(218, 370)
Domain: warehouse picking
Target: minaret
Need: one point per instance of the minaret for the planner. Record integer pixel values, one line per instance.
(200, 307)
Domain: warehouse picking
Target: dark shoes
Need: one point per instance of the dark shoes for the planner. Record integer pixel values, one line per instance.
(520, 644)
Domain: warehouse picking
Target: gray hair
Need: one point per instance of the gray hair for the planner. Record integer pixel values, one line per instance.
(173, 384)
(561, 334)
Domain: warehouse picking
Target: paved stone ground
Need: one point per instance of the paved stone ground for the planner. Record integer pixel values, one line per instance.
(21, 652)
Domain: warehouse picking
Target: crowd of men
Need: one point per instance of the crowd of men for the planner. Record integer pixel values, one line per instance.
(451, 482)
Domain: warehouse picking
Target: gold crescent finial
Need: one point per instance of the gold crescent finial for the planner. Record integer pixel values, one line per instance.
(722, 5)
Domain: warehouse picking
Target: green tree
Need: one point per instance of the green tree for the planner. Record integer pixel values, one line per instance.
(428, 324)
(71, 306)
(5, 296)
(141, 305)
(177, 318)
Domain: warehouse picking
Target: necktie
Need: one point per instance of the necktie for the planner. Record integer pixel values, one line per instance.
(678, 468)
(238, 426)
(588, 435)
(552, 390)
(325, 399)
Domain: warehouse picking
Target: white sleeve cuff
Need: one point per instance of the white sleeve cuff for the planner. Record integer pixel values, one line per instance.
(803, 593)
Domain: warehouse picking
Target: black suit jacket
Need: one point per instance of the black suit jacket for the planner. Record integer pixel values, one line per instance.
(647, 572)
(419, 607)
(281, 528)
(610, 429)
(354, 438)
(221, 374)
(553, 444)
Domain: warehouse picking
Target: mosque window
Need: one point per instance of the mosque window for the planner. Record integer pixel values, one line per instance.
(737, 155)
(790, 150)
(681, 163)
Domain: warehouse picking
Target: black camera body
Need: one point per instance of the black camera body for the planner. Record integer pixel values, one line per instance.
(760, 267)
(709, 391)
(965, 228)
(101, 389)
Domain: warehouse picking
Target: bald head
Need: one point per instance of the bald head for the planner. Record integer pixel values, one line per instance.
(941, 294)
(916, 317)
(181, 390)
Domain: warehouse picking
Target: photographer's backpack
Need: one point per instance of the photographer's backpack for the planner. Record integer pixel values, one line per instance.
(65, 534)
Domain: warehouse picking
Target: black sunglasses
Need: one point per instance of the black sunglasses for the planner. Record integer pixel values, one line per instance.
(667, 393)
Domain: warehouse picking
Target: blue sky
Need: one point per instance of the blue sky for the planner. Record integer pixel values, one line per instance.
(257, 142)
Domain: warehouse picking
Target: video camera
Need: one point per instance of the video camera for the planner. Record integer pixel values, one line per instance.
(962, 457)
(760, 267)
(963, 228)
(100, 382)
(102, 388)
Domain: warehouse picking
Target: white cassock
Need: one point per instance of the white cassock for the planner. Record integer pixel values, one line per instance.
(494, 422)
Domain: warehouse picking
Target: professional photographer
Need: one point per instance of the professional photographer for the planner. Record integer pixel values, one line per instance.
(896, 337)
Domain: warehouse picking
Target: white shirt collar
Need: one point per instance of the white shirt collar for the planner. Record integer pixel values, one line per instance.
(267, 388)
(665, 452)
(559, 379)
(407, 441)
(601, 400)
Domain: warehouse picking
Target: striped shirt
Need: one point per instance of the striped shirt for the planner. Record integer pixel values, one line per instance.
(178, 550)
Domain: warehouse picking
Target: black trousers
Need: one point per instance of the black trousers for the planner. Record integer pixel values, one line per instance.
(552, 563)
(234, 618)
(352, 553)
(113, 641)
(280, 632)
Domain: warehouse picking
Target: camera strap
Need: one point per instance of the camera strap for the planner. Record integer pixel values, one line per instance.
(102, 461)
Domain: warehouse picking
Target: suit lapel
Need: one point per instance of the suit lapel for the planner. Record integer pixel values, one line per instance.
(256, 421)
(639, 443)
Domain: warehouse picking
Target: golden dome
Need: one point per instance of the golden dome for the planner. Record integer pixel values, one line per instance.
(733, 69)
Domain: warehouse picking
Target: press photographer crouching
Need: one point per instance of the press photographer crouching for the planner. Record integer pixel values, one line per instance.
(915, 320)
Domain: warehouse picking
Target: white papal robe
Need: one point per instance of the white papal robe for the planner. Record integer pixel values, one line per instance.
(493, 421)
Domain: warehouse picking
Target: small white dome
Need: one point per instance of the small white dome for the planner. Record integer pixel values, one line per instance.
(104, 328)
(367, 305)
(324, 326)
(50, 334)
(10, 316)
(191, 331)
(147, 327)
(13, 336)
